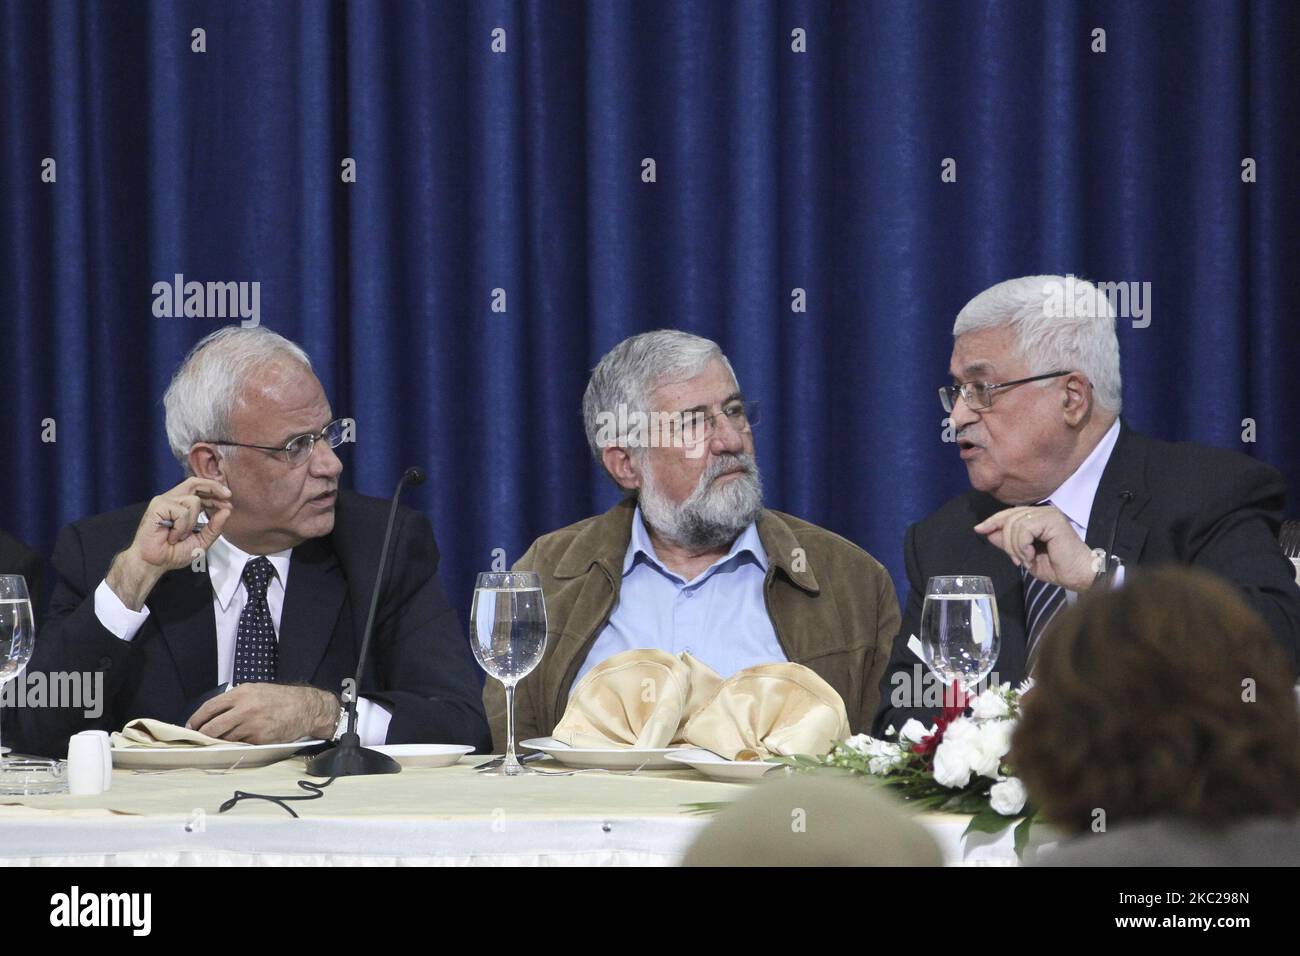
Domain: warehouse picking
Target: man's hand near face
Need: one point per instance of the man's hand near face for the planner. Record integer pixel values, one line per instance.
(158, 548)
(268, 714)
(1041, 539)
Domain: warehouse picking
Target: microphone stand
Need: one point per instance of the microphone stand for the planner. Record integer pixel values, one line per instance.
(348, 758)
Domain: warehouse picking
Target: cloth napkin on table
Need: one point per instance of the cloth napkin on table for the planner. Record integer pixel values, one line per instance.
(634, 699)
(770, 710)
(650, 699)
(147, 732)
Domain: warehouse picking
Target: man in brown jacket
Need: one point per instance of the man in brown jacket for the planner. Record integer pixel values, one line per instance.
(690, 560)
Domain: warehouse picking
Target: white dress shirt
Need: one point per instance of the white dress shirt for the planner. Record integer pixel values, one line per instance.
(229, 595)
(1075, 496)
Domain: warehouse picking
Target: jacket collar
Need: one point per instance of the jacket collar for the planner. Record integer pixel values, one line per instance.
(226, 569)
(603, 541)
(784, 553)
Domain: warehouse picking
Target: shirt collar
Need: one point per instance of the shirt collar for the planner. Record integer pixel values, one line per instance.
(1075, 496)
(747, 542)
(226, 569)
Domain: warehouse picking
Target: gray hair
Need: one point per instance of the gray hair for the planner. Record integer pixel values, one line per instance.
(204, 390)
(633, 369)
(1060, 323)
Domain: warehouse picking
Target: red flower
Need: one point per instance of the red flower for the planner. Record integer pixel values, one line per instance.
(955, 701)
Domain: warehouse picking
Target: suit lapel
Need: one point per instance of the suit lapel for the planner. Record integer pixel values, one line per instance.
(312, 601)
(592, 608)
(1124, 472)
(181, 603)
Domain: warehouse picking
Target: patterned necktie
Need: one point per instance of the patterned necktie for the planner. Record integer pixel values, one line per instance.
(1042, 602)
(255, 645)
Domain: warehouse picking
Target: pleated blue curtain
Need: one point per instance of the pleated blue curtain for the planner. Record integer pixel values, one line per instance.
(535, 181)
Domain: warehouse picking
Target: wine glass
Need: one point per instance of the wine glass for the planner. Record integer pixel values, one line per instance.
(507, 627)
(960, 630)
(17, 631)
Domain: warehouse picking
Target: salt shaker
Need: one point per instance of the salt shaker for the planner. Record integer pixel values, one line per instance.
(90, 763)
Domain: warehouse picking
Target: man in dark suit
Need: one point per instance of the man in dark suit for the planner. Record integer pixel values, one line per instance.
(235, 602)
(17, 558)
(1054, 474)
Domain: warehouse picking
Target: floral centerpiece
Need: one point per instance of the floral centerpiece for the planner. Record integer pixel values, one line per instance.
(956, 766)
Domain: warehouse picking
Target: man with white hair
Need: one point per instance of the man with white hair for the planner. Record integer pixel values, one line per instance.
(690, 560)
(1063, 493)
(235, 602)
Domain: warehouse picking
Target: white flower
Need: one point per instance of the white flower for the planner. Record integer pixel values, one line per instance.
(992, 744)
(963, 730)
(857, 743)
(957, 753)
(951, 768)
(990, 705)
(914, 731)
(883, 756)
(1007, 797)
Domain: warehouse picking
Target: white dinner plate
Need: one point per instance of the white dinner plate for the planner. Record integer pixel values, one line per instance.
(720, 768)
(424, 755)
(612, 758)
(221, 757)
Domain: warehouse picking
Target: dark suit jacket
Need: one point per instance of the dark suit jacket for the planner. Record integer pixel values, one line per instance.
(1215, 509)
(420, 663)
(17, 558)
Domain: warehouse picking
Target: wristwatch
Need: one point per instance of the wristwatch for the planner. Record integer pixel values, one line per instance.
(341, 727)
(1099, 565)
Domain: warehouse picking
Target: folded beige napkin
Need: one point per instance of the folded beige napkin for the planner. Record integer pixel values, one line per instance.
(650, 699)
(770, 710)
(147, 732)
(633, 699)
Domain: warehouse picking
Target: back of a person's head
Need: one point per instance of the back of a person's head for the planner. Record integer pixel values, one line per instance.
(1167, 698)
(805, 820)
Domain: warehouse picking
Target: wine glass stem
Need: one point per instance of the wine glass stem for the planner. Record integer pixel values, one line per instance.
(510, 726)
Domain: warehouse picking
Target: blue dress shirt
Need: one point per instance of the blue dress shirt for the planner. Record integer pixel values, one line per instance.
(719, 618)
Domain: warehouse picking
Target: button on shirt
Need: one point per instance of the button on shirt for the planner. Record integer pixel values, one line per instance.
(719, 618)
(229, 595)
(1075, 496)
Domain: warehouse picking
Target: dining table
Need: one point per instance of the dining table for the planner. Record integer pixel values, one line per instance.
(422, 816)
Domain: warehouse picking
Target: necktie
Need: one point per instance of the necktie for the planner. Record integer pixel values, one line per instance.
(1042, 602)
(255, 645)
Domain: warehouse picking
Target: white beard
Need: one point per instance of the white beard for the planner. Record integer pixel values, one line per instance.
(713, 515)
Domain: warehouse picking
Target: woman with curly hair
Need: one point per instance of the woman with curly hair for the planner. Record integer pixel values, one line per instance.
(1163, 729)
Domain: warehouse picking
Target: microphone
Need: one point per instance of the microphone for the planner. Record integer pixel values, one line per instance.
(348, 758)
(1124, 498)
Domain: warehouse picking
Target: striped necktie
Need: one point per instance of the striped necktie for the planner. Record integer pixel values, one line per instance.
(1042, 602)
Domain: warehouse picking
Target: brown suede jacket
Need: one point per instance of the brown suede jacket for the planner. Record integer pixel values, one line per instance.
(832, 606)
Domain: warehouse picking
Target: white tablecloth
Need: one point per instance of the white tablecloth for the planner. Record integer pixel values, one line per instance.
(447, 817)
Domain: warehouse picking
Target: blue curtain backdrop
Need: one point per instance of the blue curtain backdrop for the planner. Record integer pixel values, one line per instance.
(522, 171)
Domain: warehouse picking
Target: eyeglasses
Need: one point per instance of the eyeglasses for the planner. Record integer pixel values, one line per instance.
(297, 450)
(979, 395)
(694, 428)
